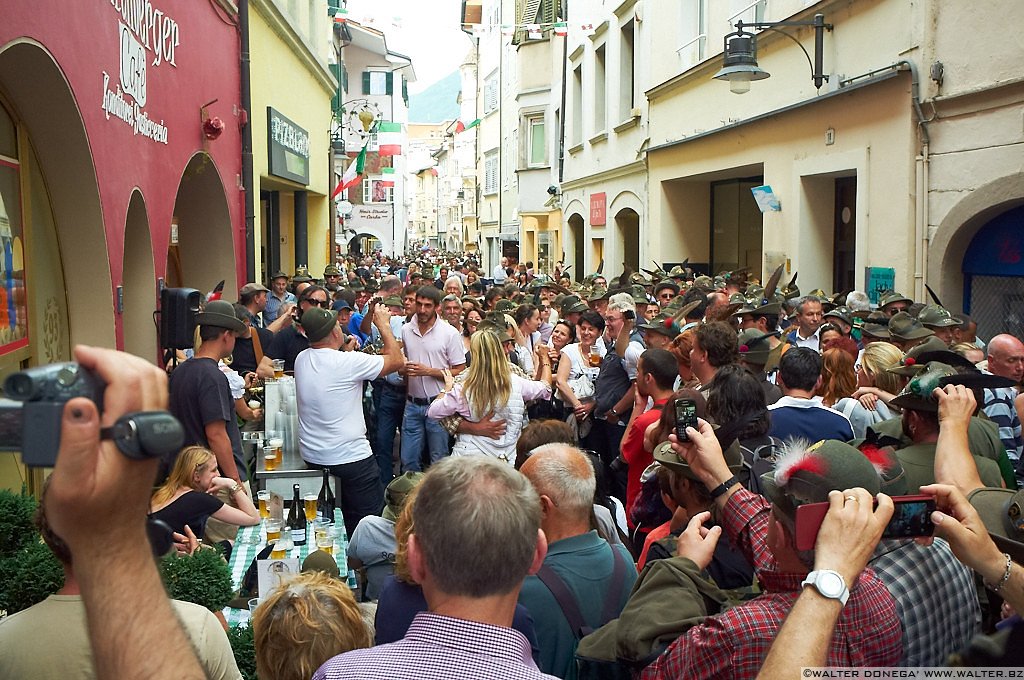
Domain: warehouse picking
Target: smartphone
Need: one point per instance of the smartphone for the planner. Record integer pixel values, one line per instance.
(912, 518)
(686, 416)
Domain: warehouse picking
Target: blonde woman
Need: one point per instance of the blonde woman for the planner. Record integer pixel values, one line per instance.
(876, 386)
(305, 622)
(490, 391)
(186, 498)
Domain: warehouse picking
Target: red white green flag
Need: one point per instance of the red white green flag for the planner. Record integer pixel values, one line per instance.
(462, 127)
(389, 139)
(561, 28)
(387, 177)
(353, 173)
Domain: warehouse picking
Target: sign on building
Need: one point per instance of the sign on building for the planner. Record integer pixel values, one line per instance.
(288, 148)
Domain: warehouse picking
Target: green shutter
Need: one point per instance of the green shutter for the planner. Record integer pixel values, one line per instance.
(344, 79)
(337, 70)
(333, 6)
(366, 83)
(390, 84)
(405, 90)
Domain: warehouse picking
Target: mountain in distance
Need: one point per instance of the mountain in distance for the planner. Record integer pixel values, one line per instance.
(437, 103)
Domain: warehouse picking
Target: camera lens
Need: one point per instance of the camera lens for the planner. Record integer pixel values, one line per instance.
(19, 386)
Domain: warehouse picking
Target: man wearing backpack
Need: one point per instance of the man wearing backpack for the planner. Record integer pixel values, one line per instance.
(584, 582)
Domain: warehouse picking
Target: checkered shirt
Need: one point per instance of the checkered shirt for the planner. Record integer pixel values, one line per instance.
(440, 647)
(735, 643)
(935, 597)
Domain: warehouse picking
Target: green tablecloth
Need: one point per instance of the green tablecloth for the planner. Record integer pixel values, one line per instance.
(245, 551)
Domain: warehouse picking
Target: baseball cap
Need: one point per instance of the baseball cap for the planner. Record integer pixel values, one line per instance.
(339, 305)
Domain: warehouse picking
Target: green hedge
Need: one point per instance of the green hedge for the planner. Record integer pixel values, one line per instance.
(203, 578)
(242, 645)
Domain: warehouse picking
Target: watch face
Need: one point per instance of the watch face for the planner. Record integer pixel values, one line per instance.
(829, 584)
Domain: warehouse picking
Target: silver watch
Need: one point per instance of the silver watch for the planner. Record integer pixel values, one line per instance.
(829, 583)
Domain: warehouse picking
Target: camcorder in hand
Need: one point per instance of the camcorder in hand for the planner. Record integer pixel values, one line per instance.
(32, 411)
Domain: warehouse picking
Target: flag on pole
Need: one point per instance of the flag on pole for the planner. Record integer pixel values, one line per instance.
(353, 173)
(341, 15)
(389, 139)
(387, 177)
(462, 127)
(534, 32)
(561, 29)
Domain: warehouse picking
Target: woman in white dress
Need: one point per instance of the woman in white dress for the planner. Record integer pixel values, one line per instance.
(580, 364)
(491, 391)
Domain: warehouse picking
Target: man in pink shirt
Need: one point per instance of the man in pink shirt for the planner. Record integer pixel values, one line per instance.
(431, 345)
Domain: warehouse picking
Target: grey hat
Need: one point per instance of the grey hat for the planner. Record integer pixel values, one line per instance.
(250, 288)
(318, 323)
(666, 455)
(936, 317)
(902, 326)
(890, 297)
(1002, 512)
(220, 314)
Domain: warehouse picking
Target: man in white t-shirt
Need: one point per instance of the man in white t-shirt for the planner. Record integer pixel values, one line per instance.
(329, 387)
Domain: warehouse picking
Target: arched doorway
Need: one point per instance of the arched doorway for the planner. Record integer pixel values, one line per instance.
(201, 250)
(627, 223)
(138, 282)
(993, 269)
(67, 269)
(576, 244)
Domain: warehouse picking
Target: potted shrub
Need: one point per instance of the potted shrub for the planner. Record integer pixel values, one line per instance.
(241, 639)
(202, 578)
(16, 527)
(29, 576)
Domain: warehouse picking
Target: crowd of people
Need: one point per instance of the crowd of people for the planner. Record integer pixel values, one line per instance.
(597, 478)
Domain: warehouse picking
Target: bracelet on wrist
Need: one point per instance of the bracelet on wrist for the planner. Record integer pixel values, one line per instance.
(236, 488)
(996, 587)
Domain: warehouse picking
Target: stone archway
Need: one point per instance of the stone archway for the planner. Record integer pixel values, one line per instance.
(627, 226)
(66, 197)
(201, 250)
(138, 282)
(575, 243)
(959, 226)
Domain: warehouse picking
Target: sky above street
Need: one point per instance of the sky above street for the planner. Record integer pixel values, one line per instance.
(425, 30)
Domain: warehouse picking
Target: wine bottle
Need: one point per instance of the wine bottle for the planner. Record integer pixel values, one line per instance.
(297, 518)
(325, 501)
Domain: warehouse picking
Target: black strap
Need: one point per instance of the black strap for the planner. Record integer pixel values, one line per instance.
(570, 606)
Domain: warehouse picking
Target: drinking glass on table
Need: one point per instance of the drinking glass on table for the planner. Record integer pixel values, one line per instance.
(325, 543)
(278, 368)
(277, 444)
(273, 530)
(282, 547)
(269, 459)
(264, 500)
(309, 502)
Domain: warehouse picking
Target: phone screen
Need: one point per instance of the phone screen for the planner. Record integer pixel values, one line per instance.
(686, 416)
(911, 518)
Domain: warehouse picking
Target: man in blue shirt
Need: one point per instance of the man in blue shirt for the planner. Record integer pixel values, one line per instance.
(799, 414)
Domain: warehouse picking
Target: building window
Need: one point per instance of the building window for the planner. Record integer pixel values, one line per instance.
(747, 11)
(377, 82)
(693, 32)
(374, 191)
(626, 71)
(577, 105)
(535, 152)
(491, 172)
(491, 93)
(600, 103)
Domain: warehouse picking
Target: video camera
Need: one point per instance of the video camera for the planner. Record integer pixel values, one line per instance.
(32, 412)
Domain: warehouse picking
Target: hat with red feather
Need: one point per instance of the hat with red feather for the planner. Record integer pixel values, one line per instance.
(806, 473)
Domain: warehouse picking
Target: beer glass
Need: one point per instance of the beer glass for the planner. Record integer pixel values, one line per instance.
(269, 459)
(278, 368)
(264, 499)
(325, 543)
(277, 444)
(273, 530)
(310, 504)
(595, 359)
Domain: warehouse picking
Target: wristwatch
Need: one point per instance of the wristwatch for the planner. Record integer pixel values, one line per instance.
(829, 584)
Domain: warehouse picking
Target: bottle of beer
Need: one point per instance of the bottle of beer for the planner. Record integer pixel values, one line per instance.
(297, 518)
(325, 501)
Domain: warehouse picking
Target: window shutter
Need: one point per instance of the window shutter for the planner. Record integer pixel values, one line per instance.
(344, 79)
(389, 83)
(405, 90)
(336, 70)
(366, 83)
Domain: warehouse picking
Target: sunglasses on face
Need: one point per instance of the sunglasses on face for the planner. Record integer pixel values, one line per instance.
(318, 303)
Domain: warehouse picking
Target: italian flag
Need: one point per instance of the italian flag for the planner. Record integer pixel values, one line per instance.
(387, 177)
(353, 173)
(462, 127)
(389, 138)
(341, 15)
(561, 29)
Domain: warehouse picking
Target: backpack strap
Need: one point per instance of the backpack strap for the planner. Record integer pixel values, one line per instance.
(565, 599)
(570, 605)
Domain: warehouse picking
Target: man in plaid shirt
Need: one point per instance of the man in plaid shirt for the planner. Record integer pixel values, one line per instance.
(477, 535)
(734, 644)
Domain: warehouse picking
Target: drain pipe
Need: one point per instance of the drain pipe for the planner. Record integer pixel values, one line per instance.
(249, 188)
(921, 240)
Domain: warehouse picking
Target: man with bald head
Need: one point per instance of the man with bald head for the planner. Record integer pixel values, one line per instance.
(1006, 359)
(584, 582)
